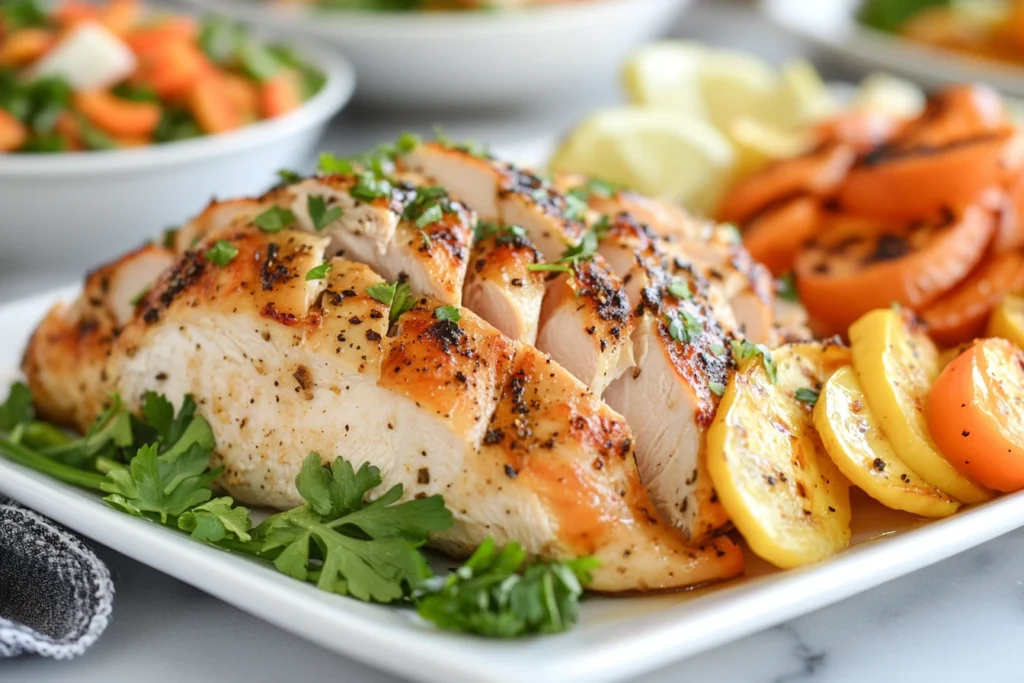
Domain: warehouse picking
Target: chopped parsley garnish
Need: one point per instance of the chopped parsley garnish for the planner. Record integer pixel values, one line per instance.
(274, 219)
(503, 234)
(334, 165)
(19, 14)
(575, 208)
(497, 594)
(318, 272)
(679, 288)
(550, 267)
(717, 388)
(432, 214)
(595, 187)
(785, 287)
(370, 186)
(744, 350)
(427, 242)
(684, 326)
(288, 176)
(584, 250)
(319, 214)
(806, 395)
(451, 313)
(470, 147)
(396, 295)
(717, 349)
(222, 253)
(169, 237)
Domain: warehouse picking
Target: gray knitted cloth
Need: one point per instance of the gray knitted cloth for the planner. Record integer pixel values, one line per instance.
(55, 594)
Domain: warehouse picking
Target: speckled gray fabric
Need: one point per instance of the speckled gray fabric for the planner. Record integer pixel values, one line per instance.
(55, 594)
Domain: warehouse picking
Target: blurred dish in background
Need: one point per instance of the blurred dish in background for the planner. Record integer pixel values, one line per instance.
(870, 34)
(454, 59)
(95, 77)
(424, 5)
(93, 197)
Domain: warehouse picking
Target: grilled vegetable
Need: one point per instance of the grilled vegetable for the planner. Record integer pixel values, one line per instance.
(976, 414)
(1007, 320)
(768, 464)
(896, 365)
(853, 438)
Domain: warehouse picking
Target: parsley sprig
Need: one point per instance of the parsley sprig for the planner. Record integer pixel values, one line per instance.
(743, 350)
(345, 538)
(583, 250)
(495, 594)
(395, 295)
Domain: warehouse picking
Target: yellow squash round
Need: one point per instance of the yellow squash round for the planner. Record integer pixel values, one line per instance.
(854, 440)
(768, 465)
(1007, 320)
(896, 365)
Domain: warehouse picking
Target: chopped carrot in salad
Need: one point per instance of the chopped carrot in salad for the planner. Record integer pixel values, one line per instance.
(90, 77)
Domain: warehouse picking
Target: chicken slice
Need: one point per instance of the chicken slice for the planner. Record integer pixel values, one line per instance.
(215, 217)
(582, 325)
(587, 323)
(670, 397)
(64, 359)
(553, 437)
(501, 288)
(281, 366)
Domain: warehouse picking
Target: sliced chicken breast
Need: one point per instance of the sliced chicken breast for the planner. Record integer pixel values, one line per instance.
(583, 323)
(518, 448)
(501, 288)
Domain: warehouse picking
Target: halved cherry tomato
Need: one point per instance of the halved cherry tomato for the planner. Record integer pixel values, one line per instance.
(818, 173)
(918, 182)
(859, 264)
(117, 116)
(13, 133)
(774, 236)
(976, 414)
(961, 313)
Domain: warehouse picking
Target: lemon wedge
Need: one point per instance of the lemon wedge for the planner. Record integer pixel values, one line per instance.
(654, 151)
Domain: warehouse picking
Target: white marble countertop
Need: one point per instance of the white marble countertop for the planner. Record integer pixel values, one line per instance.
(962, 619)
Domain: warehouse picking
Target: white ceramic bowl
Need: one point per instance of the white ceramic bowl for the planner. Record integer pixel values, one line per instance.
(473, 59)
(83, 207)
(832, 26)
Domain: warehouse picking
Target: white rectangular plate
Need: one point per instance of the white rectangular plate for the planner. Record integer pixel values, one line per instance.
(616, 637)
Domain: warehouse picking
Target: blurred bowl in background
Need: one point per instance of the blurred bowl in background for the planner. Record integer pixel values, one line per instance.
(82, 207)
(473, 58)
(832, 26)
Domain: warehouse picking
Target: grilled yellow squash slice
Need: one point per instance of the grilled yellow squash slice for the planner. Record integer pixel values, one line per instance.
(853, 438)
(896, 365)
(768, 464)
(1007, 320)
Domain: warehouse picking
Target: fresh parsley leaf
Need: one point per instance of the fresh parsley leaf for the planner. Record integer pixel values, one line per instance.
(679, 288)
(346, 546)
(109, 434)
(745, 350)
(470, 147)
(785, 287)
(370, 186)
(451, 313)
(141, 295)
(432, 214)
(503, 234)
(18, 409)
(575, 208)
(890, 15)
(274, 219)
(216, 520)
(288, 176)
(684, 326)
(427, 242)
(319, 214)
(169, 237)
(396, 295)
(488, 596)
(318, 272)
(161, 486)
(256, 60)
(18, 14)
(334, 165)
(222, 253)
(407, 142)
(806, 395)
(717, 388)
